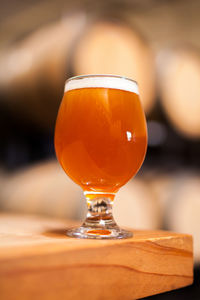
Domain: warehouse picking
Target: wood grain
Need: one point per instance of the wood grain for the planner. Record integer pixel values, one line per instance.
(37, 261)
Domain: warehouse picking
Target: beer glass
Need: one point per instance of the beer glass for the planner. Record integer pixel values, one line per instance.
(100, 142)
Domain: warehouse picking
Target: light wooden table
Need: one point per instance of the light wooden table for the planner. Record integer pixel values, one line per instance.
(37, 261)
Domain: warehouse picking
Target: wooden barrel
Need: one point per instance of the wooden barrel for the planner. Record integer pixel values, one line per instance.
(42, 189)
(161, 187)
(183, 210)
(46, 190)
(137, 207)
(179, 86)
(33, 71)
(116, 48)
(178, 195)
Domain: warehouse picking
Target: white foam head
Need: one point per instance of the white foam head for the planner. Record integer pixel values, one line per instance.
(102, 81)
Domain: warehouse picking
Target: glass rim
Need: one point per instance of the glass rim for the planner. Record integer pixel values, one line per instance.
(99, 75)
(101, 81)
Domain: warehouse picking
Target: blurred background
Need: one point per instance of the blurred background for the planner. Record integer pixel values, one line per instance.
(156, 43)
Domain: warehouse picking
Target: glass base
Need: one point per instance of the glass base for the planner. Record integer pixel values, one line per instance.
(99, 223)
(85, 232)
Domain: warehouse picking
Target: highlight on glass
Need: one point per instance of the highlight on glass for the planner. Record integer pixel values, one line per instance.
(100, 142)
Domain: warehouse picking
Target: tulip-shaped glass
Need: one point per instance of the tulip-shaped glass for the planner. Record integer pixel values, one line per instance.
(100, 142)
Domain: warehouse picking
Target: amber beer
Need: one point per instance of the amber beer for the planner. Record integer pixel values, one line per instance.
(101, 134)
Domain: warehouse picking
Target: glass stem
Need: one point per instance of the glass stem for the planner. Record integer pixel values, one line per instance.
(99, 223)
(99, 215)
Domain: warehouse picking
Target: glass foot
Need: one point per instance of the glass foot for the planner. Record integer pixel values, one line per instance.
(85, 232)
(99, 223)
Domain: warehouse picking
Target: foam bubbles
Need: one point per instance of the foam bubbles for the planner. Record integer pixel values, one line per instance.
(112, 82)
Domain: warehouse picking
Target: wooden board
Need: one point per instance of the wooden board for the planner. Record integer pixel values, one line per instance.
(37, 261)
